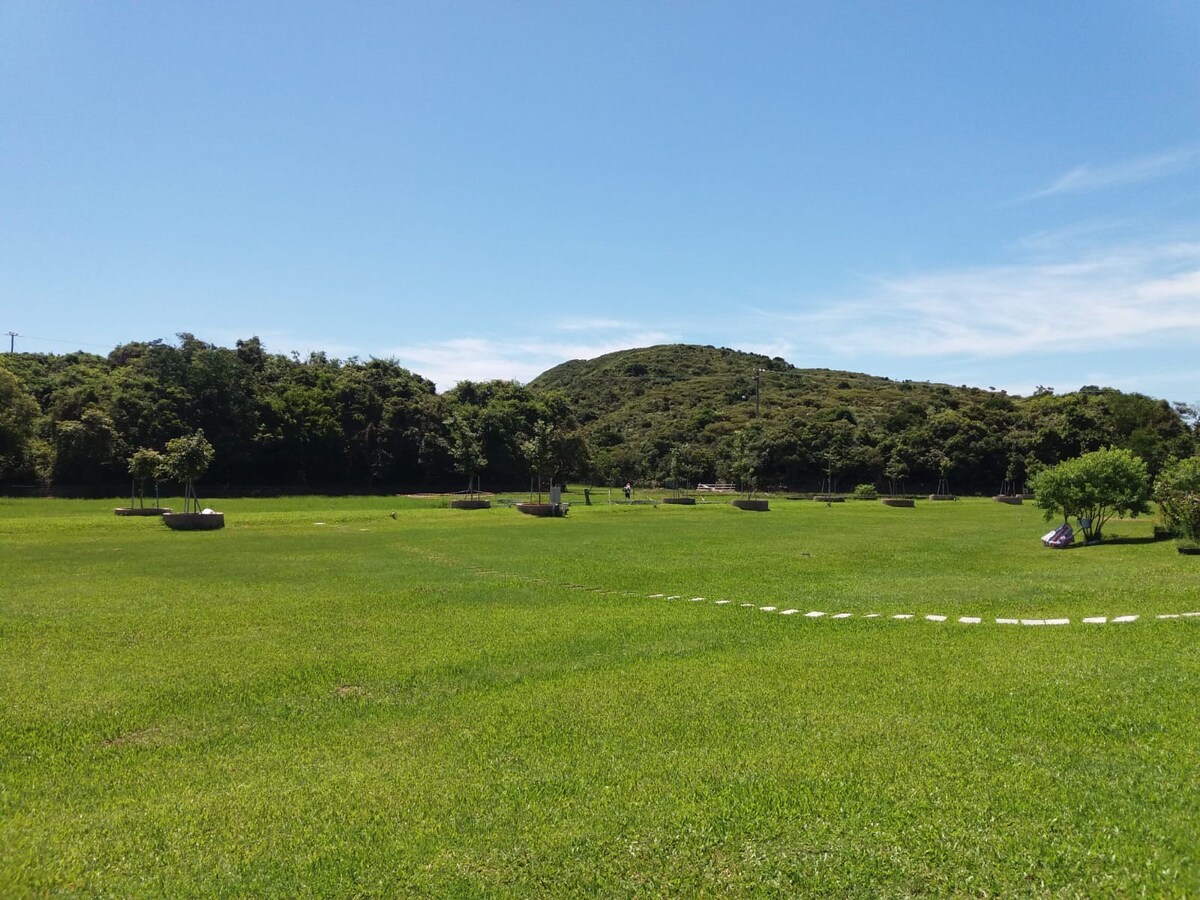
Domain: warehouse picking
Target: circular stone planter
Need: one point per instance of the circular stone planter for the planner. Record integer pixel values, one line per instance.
(1188, 551)
(942, 497)
(828, 498)
(470, 504)
(1008, 498)
(544, 510)
(898, 501)
(753, 505)
(141, 510)
(194, 521)
(680, 501)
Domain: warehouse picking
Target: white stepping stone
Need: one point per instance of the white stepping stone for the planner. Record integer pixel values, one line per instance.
(936, 618)
(656, 596)
(318, 523)
(1058, 621)
(675, 597)
(970, 620)
(1008, 621)
(1125, 618)
(814, 614)
(902, 616)
(768, 608)
(871, 616)
(1096, 620)
(1168, 616)
(1191, 614)
(747, 604)
(723, 602)
(841, 615)
(1033, 621)
(789, 612)
(695, 600)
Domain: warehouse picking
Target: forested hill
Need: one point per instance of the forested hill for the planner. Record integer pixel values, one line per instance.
(636, 405)
(76, 419)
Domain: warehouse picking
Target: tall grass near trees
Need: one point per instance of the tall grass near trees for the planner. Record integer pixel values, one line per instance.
(482, 703)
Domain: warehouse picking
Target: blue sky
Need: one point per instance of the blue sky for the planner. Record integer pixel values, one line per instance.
(992, 194)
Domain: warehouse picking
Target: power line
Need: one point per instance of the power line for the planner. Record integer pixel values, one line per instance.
(31, 337)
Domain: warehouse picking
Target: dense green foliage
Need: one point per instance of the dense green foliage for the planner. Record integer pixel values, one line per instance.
(1177, 490)
(485, 704)
(272, 419)
(1093, 488)
(638, 404)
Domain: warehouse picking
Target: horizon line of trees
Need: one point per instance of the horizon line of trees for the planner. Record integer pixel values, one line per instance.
(76, 420)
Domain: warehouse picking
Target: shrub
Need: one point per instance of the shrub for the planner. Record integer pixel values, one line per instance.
(1093, 488)
(1177, 490)
(865, 492)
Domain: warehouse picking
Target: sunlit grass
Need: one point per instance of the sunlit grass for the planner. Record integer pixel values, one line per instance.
(483, 703)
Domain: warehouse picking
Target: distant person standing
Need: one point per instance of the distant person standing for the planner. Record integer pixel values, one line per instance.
(628, 490)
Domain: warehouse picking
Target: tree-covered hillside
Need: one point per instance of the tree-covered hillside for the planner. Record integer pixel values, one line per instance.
(809, 424)
(76, 419)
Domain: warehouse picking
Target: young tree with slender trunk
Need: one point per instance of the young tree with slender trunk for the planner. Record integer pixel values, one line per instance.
(187, 458)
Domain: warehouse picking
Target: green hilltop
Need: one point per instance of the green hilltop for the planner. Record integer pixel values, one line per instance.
(636, 406)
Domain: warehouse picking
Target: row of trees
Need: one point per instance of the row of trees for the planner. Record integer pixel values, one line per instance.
(77, 419)
(974, 444)
(317, 422)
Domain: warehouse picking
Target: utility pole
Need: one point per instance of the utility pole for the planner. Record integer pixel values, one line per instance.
(12, 340)
(758, 391)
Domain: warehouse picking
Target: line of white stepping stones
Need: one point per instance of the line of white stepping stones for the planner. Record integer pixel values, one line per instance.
(817, 614)
(966, 620)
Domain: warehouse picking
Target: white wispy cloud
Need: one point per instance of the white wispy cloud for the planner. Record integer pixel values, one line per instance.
(1142, 168)
(1112, 298)
(480, 359)
(593, 325)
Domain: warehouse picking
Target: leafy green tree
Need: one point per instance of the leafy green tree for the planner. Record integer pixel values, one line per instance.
(1093, 488)
(18, 414)
(186, 459)
(84, 447)
(745, 459)
(1177, 490)
(466, 449)
(896, 472)
(145, 465)
(539, 451)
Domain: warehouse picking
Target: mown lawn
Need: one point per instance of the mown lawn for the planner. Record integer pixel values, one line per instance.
(483, 704)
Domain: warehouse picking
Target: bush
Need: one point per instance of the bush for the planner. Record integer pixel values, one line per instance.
(1093, 488)
(865, 492)
(1177, 490)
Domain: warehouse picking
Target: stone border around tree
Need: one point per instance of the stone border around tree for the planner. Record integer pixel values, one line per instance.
(751, 505)
(194, 521)
(542, 510)
(141, 510)
(1011, 499)
(680, 501)
(902, 502)
(470, 504)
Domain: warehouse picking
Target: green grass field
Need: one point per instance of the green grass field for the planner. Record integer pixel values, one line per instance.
(453, 703)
